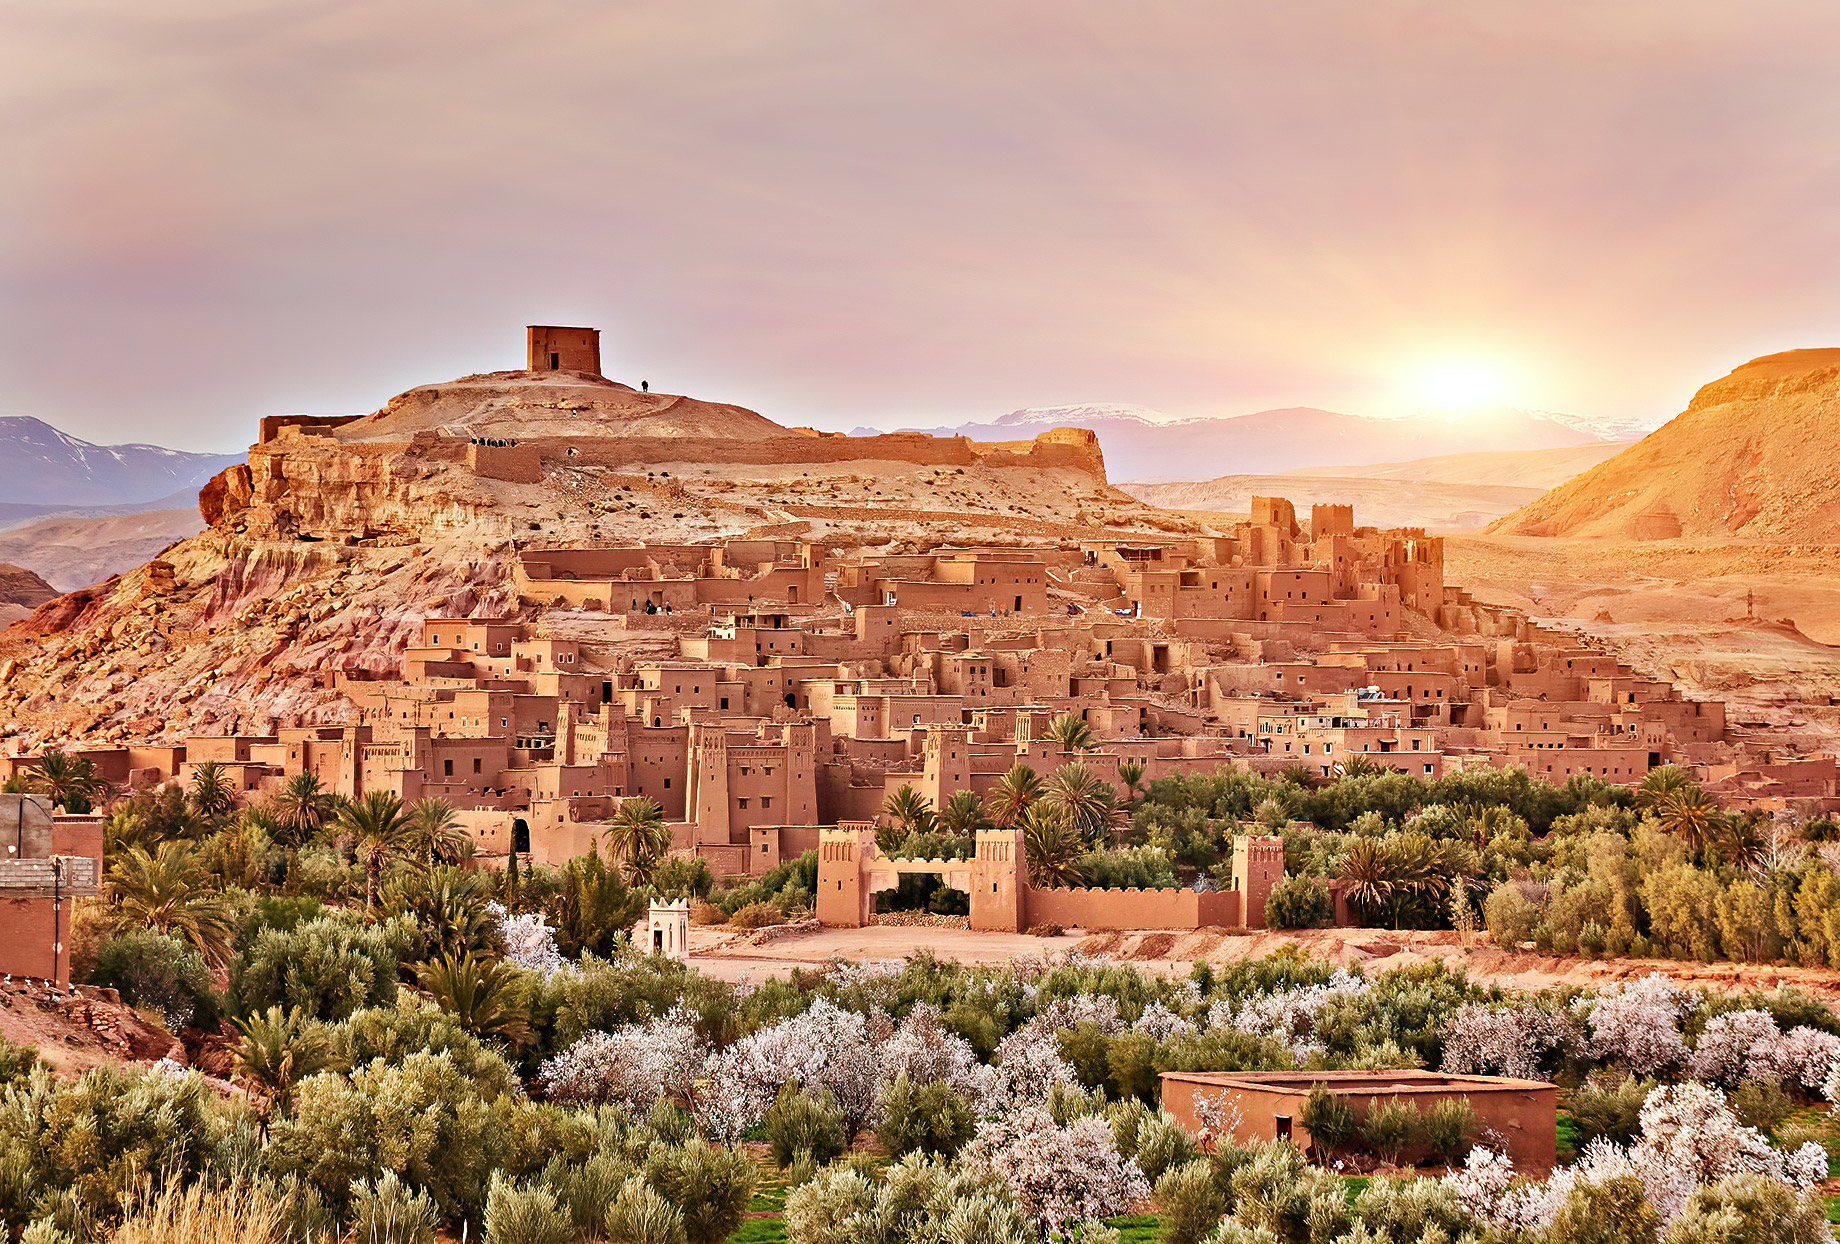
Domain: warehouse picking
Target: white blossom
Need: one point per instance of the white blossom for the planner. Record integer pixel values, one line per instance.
(1288, 1015)
(927, 1053)
(529, 942)
(825, 1047)
(1723, 1054)
(1505, 1041)
(1802, 1056)
(1028, 1067)
(1061, 1176)
(1161, 1023)
(1638, 1024)
(633, 1066)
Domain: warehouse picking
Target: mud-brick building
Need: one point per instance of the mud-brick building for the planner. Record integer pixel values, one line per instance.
(1518, 1115)
(46, 862)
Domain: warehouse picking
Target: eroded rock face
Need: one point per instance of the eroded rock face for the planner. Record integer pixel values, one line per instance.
(327, 549)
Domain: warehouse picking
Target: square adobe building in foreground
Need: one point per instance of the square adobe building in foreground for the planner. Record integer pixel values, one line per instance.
(1519, 1116)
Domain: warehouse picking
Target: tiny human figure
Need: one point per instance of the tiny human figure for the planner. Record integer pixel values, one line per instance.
(645, 386)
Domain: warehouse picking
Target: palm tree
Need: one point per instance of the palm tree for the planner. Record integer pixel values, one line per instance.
(303, 807)
(213, 793)
(909, 810)
(485, 996)
(71, 782)
(170, 892)
(1052, 847)
(1131, 773)
(1662, 784)
(1084, 801)
(276, 1050)
(1012, 796)
(1688, 813)
(638, 835)
(1071, 733)
(1369, 872)
(435, 835)
(378, 828)
(449, 906)
(963, 815)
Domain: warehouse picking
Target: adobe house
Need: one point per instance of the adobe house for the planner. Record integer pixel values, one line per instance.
(46, 862)
(554, 348)
(1518, 1115)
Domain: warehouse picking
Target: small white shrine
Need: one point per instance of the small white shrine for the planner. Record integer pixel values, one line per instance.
(667, 930)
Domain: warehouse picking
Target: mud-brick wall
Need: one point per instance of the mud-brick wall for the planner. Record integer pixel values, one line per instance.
(26, 937)
(1176, 908)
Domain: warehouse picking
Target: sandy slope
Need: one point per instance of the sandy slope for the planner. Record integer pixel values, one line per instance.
(75, 552)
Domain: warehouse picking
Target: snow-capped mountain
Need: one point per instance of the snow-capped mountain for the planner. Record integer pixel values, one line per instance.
(1603, 427)
(42, 469)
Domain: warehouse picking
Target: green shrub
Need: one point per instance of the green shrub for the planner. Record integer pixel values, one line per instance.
(393, 1033)
(1754, 1208)
(1613, 1212)
(159, 973)
(595, 909)
(682, 876)
(1162, 1143)
(1762, 1105)
(278, 911)
(1299, 902)
(1608, 1108)
(800, 1123)
(1449, 1129)
(388, 1211)
(638, 1215)
(524, 1215)
(587, 1191)
(1390, 1129)
(924, 1118)
(16, 1061)
(757, 916)
(1190, 1201)
(328, 968)
(1330, 1121)
(710, 1186)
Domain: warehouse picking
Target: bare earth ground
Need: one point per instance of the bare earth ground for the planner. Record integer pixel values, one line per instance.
(728, 956)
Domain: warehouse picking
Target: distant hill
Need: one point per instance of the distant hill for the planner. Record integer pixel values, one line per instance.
(1751, 456)
(1141, 444)
(44, 468)
(1460, 492)
(74, 550)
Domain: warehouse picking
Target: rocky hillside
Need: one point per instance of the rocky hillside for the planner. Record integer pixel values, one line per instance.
(325, 552)
(21, 591)
(1752, 456)
(44, 469)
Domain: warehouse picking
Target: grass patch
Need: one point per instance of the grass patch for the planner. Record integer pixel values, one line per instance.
(1137, 1228)
(1569, 1137)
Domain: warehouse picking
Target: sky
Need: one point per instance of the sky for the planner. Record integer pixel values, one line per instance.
(910, 213)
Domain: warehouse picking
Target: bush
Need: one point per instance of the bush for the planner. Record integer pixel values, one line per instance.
(638, 1215)
(1762, 1105)
(1391, 1128)
(702, 912)
(328, 968)
(388, 1211)
(1449, 1129)
(16, 1061)
(1608, 1108)
(160, 973)
(1044, 930)
(711, 1187)
(799, 1123)
(924, 1118)
(1330, 1121)
(520, 1215)
(757, 916)
(1299, 902)
(1750, 1208)
(682, 876)
(202, 1214)
(1190, 1201)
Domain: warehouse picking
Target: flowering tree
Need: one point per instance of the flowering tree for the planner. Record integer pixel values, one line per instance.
(1506, 1040)
(1288, 1014)
(529, 942)
(926, 1053)
(1061, 1176)
(1690, 1138)
(1638, 1024)
(633, 1066)
(826, 1047)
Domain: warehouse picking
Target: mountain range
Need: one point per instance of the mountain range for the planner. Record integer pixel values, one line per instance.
(1143, 444)
(43, 470)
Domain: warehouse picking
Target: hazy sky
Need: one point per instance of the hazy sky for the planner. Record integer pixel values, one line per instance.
(916, 212)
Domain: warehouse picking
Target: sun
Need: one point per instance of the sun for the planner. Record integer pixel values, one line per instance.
(1455, 384)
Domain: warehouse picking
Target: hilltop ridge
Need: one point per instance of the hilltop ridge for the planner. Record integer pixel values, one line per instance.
(1750, 457)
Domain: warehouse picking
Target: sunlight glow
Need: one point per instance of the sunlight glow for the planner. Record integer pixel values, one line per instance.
(1455, 384)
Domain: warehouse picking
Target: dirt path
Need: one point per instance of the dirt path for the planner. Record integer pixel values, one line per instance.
(1174, 954)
